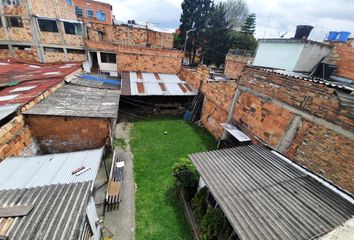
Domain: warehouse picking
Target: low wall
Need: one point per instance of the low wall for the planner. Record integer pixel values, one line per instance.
(68, 134)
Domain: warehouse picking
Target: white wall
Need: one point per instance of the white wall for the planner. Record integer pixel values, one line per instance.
(281, 55)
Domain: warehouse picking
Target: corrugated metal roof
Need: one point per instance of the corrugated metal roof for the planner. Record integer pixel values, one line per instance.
(59, 211)
(27, 172)
(7, 110)
(155, 84)
(25, 92)
(13, 72)
(265, 197)
(333, 84)
(79, 101)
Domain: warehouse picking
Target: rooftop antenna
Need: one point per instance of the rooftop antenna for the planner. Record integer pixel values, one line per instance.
(282, 35)
(265, 31)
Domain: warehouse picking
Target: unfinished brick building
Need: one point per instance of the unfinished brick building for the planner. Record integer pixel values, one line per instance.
(38, 30)
(89, 11)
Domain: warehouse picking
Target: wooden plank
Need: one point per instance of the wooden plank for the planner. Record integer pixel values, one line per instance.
(6, 226)
(16, 211)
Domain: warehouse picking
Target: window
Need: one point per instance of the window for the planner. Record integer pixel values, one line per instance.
(100, 35)
(78, 11)
(76, 51)
(101, 16)
(22, 47)
(14, 22)
(89, 13)
(49, 49)
(1, 23)
(108, 58)
(73, 28)
(4, 46)
(69, 2)
(10, 2)
(48, 25)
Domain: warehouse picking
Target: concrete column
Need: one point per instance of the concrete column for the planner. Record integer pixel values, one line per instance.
(289, 135)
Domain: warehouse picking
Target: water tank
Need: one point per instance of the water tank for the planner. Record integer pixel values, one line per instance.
(303, 31)
(332, 36)
(343, 37)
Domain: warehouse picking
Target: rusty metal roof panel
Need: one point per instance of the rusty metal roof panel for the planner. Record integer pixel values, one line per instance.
(27, 91)
(59, 211)
(265, 197)
(13, 72)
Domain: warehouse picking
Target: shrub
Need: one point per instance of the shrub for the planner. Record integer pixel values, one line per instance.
(212, 223)
(186, 177)
(199, 204)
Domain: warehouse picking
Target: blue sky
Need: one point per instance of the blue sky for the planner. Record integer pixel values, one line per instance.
(283, 15)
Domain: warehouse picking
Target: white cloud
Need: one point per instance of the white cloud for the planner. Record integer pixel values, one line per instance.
(284, 15)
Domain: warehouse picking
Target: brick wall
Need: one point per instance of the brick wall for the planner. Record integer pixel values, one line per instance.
(343, 56)
(52, 9)
(15, 137)
(95, 6)
(68, 134)
(21, 34)
(51, 57)
(122, 34)
(148, 59)
(76, 57)
(235, 64)
(195, 75)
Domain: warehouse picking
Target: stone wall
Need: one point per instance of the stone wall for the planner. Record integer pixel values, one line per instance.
(144, 59)
(123, 34)
(235, 64)
(68, 134)
(343, 56)
(15, 137)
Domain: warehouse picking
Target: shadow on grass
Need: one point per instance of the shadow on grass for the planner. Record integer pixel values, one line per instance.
(173, 199)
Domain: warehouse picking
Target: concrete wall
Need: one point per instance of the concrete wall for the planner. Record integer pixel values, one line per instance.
(68, 134)
(311, 55)
(283, 55)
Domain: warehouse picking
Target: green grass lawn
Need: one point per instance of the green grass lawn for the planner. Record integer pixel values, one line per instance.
(159, 211)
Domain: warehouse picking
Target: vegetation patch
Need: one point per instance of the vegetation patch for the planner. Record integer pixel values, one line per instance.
(157, 144)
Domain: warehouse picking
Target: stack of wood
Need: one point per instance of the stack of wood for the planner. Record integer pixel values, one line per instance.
(115, 179)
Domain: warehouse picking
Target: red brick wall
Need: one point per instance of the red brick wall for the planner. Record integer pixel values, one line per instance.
(234, 65)
(148, 59)
(123, 34)
(195, 75)
(15, 136)
(68, 134)
(95, 6)
(343, 56)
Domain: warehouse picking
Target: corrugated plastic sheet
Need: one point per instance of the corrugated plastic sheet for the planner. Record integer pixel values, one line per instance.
(12, 72)
(265, 197)
(27, 172)
(59, 212)
(7, 110)
(153, 84)
(25, 96)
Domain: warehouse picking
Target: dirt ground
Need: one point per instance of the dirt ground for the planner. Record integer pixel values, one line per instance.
(120, 222)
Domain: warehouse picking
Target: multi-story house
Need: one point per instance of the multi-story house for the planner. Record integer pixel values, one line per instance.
(92, 11)
(41, 30)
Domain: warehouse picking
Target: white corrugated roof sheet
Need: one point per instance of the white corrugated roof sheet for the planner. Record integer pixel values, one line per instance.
(28, 172)
(6, 110)
(157, 84)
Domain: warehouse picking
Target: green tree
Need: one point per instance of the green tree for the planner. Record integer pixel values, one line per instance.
(243, 41)
(216, 39)
(177, 41)
(249, 26)
(195, 14)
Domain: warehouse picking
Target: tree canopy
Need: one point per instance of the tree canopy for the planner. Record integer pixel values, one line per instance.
(249, 26)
